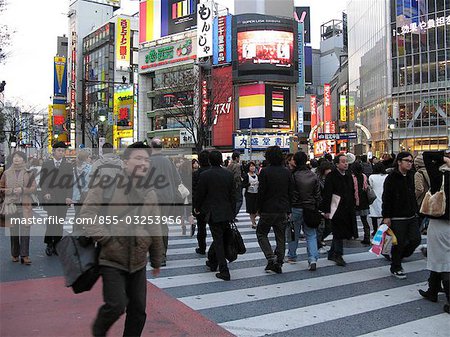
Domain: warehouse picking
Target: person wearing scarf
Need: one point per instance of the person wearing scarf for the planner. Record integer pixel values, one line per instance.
(18, 184)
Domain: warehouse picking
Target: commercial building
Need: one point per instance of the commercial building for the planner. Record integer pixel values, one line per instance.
(399, 73)
(109, 82)
(84, 16)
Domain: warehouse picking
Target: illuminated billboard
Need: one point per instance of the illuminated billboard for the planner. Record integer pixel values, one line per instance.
(159, 18)
(265, 48)
(278, 107)
(303, 15)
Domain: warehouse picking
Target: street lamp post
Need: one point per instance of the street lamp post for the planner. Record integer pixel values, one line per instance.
(391, 124)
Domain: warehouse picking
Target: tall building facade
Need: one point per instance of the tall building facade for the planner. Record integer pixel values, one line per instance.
(399, 73)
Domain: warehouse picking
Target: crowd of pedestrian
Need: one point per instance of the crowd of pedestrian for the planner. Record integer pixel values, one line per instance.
(295, 197)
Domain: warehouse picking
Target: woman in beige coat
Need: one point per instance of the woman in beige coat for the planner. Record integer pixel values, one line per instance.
(17, 184)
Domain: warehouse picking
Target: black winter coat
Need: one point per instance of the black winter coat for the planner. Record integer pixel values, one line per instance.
(306, 189)
(344, 219)
(275, 190)
(399, 197)
(215, 195)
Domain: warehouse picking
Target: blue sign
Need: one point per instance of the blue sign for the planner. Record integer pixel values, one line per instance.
(222, 40)
(60, 80)
(301, 62)
(300, 118)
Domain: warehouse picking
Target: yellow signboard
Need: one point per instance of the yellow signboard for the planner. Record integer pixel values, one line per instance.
(124, 133)
(123, 43)
(351, 108)
(343, 105)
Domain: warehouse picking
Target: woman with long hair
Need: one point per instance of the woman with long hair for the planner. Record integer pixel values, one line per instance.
(17, 184)
(251, 184)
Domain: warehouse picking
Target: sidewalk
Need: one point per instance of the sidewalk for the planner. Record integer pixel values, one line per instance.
(44, 307)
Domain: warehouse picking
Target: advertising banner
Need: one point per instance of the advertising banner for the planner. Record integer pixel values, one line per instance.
(351, 108)
(278, 107)
(123, 43)
(60, 80)
(343, 108)
(123, 105)
(301, 62)
(313, 107)
(300, 118)
(159, 18)
(264, 48)
(205, 28)
(252, 106)
(159, 57)
(303, 15)
(327, 102)
(308, 65)
(222, 40)
(261, 142)
(223, 107)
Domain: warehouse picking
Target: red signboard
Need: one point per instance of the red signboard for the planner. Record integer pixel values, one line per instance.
(313, 106)
(204, 95)
(327, 102)
(223, 106)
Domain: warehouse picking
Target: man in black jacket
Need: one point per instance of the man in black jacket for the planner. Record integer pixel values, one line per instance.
(399, 210)
(274, 204)
(56, 182)
(203, 160)
(215, 197)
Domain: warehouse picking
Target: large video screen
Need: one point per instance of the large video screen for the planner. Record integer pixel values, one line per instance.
(264, 48)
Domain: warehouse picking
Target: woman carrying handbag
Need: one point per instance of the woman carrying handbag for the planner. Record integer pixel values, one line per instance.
(17, 184)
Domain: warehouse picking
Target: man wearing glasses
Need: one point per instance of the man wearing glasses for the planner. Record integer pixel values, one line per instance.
(400, 211)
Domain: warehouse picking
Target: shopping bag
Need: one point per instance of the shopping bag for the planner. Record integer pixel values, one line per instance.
(378, 240)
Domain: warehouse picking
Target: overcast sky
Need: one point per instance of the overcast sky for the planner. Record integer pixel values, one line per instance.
(37, 23)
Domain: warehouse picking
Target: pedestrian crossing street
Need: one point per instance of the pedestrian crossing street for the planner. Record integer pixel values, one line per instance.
(361, 299)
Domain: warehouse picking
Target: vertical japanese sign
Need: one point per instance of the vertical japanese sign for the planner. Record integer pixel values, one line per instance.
(205, 29)
(343, 108)
(351, 108)
(204, 98)
(300, 127)
(301, 62)
(327, 102)
(73, 77)
(123, 43)
(313, 106)
(222, 40)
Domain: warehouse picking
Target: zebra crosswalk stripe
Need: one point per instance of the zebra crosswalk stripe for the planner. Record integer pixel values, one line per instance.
(233, 304)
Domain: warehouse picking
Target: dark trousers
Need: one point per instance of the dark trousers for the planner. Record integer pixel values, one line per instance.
(323, 231)
(20, 240)
(337, 248)
(201, 233)
(122, 290)
(366, 227)
(54, 231)
(434, 283)
(216, 252)
(375, 225)
(239, 201)
(408, 239)
(277, 221)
